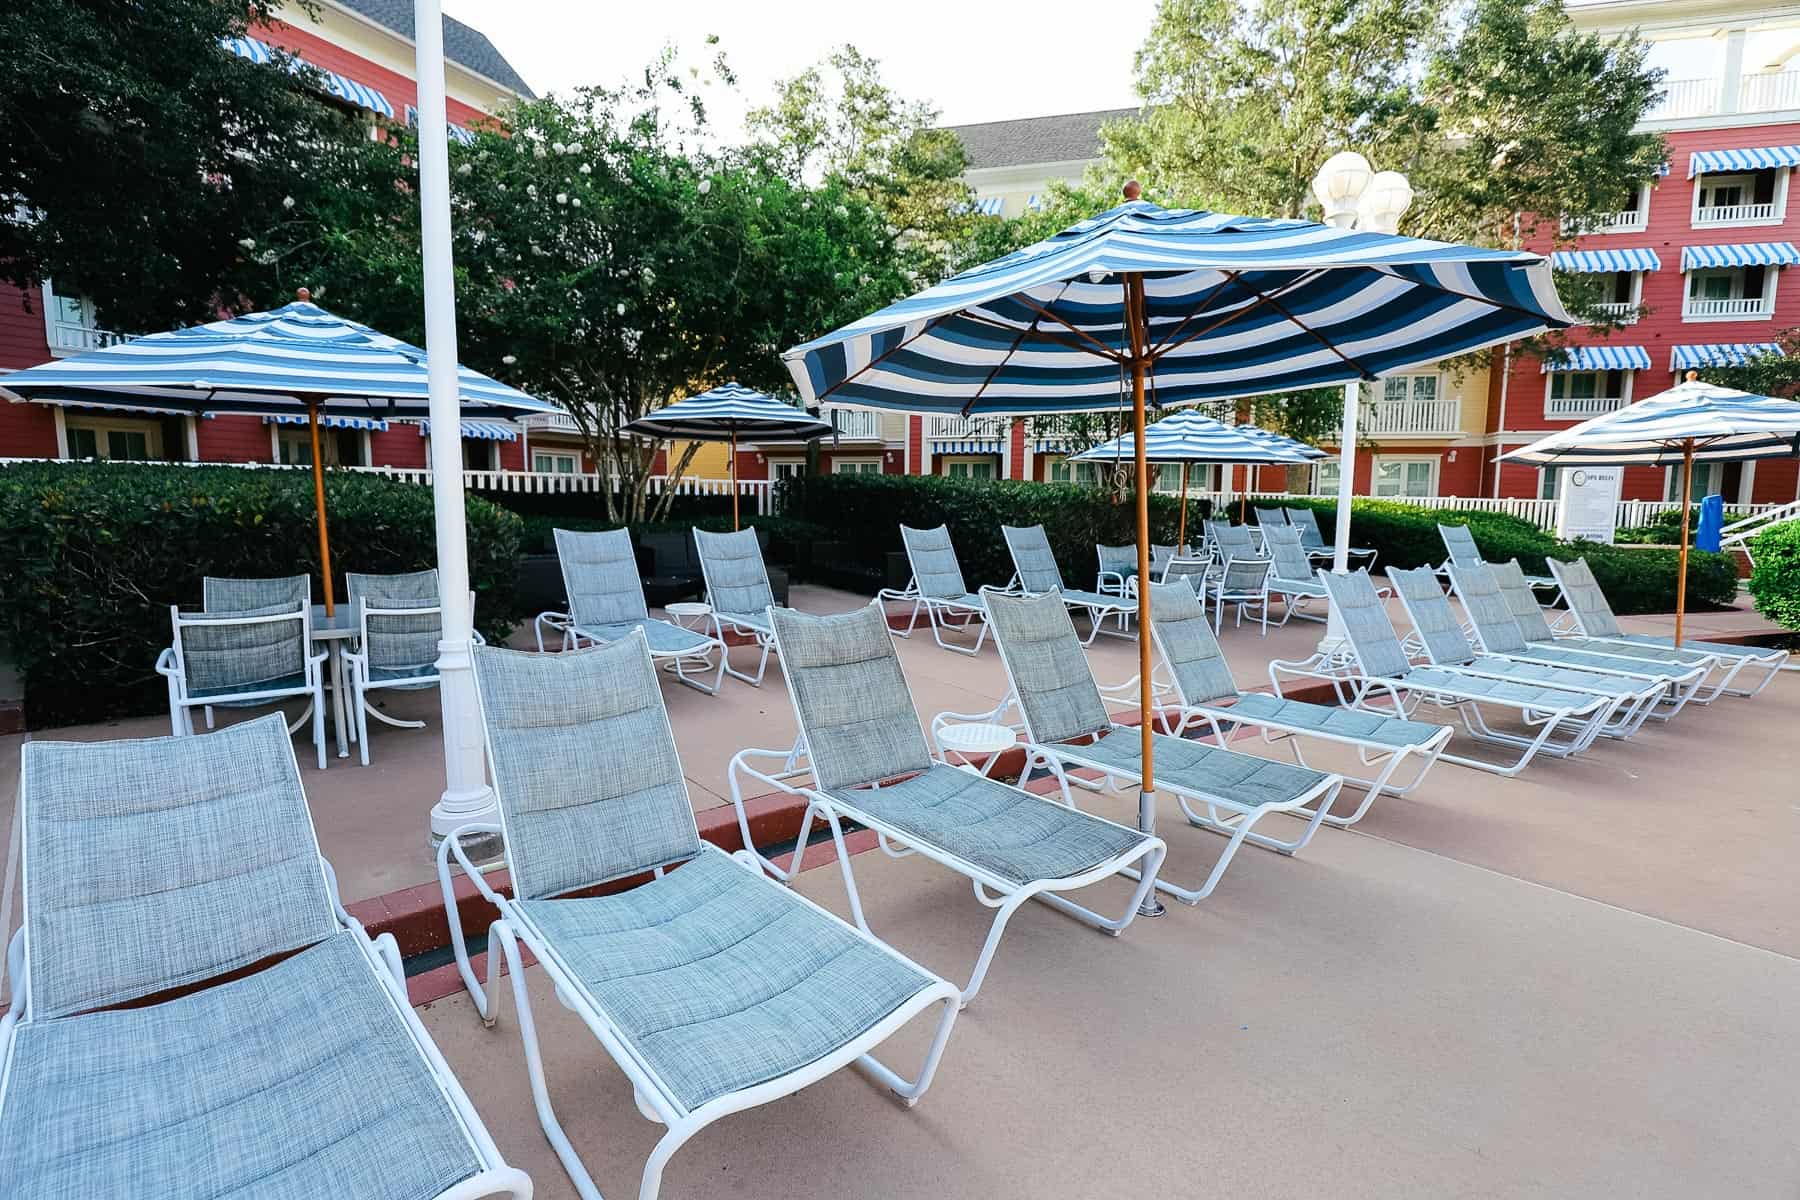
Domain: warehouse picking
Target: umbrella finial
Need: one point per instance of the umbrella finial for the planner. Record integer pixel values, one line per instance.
(1691, 376)
(1133, 189)
(303, 294)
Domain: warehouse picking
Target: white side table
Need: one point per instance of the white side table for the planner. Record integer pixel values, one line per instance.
(977, 740)
(689, 614)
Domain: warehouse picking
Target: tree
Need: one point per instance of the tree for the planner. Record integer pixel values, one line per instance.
(1776, 373)
(120, 177)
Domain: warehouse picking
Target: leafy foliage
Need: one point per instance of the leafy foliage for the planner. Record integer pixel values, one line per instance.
(1775, 374)
(1775, 580)
(97, 553)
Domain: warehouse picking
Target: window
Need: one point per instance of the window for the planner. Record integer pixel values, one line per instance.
(339, 447)
(115, 440)
(787, 468)
(859, 466)
(969, 468)
(1061, 470)
(1586, 385)
(1725, 191)
(1397, 389)
(1325, 478)
(1404, 477)
(1547, 478)
(1709, 480)
(1740, 199)
(554, 462)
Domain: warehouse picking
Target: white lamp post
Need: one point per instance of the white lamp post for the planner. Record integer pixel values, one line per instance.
(1354, 196)
(467, 797)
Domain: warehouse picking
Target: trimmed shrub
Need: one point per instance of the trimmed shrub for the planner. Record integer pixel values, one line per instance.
(97, 552)
(1775, 580)
(539, 531)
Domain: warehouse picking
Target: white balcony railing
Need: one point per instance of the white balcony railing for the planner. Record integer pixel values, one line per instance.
(1731, 214)
(1688, 98)
(1758, 91)
(71, 337)
(967, 429)
(1580, 408)
(1768, 91)
(1624, 221)
(1393, 417)
(1624, 311)
(854, 424)
(1749, 306)
(551, 423)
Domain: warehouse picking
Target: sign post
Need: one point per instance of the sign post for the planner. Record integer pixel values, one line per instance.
(1587, 503)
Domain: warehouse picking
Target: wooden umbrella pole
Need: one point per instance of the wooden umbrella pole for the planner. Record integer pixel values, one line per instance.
(1137, 329)
(1181, 529)
(1687, 492)
(318, 470)
(734, 486)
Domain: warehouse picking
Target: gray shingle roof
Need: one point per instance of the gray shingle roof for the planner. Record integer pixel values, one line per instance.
(1068, 137)
(462, 44)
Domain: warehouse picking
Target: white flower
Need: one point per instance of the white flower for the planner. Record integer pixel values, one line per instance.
(841, 211)
(538, 152)
(576, 202)
(759, 202)
(586, 170)
(562, 197)
(509, 359)
(557, 146)
(465, 168)
(705, 186)
(478, 236)
(649, 277)
(531, 190)
(621, 310)
(287, 202)
(247, 243)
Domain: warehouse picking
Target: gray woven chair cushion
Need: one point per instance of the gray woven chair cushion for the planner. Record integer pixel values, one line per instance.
(933, 559)
(295, 1083)
(1099, 600)
(664, 637)
(1270, 518)
(1032, 559)
(157, 863)
(1159, 557)
(1244, 575)
(1459, 543)
(1366, 623)
(757, 621)
(1639, 642)
(584, 766)
(1582, 592)
(399, 646)
(1014, 834)
(1432, 616)
(736, 580)
(1198, 767)
(1354, 723)
(1515, 589)
(227, 652)
(1049, 671)
(1522, 688)
(1306, 521)
(721, 979)
(600, 576)
(850, 695)
(1189, 650)
(1231, 538)
(1573, 674)
(1120, 560)
(237, 595)
(1487, 608)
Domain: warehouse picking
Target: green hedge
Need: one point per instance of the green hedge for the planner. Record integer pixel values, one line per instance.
(1775, 580)
(95, 553)
(868, 510)
(539, 535)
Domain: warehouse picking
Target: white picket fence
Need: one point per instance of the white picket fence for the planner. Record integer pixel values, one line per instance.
(758, 493)
(1541, 513)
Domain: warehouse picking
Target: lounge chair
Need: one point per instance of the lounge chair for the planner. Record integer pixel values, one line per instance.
(1035, 573)
(937, 589)
(1444, 644)
(1594, 618)
(861, 756)
(1459, 543)
(713, 988)
(738, 590)
(1291, 574)
(241, 660)
(1204, 692)
(1497, 632)
(1566, 722)
(1243, 581)
(1270, 518)
(1067, 726)
(194, 1013)
(1306, 520)
(606, 603)
(398, 626)
(1228, 540)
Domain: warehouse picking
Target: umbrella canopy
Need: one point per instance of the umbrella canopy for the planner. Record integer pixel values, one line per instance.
(1691, 422)
(1199, 305)
(297, 360)
(1191, 437)
(1257, 433)
(721, 415)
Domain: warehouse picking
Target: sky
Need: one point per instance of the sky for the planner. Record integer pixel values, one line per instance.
(974, 60)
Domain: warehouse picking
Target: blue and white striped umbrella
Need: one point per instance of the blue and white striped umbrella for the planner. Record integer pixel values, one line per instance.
(1191, 437)
(1234, 306)
(267, 363)
(727, 412)
(1306, 452)
(1715, 424)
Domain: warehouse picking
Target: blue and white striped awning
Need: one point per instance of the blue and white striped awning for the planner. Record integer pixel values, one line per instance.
(1034, 202)
(375, 424)
(457, 132)
(1761, 158)
(1601, 358)
(491, 431)
(1286, 305)
(1746, 254)
(1662, 170)
(1595, 262)
(1722, 424)
(726, 411)
(1192, 437)
(989, 206)
(268, 362)
(341, 86)
(1719, 354)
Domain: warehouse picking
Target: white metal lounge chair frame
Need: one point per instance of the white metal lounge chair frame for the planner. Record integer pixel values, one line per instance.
(1322, 551)
(1355, 688)
(382, 956)
(1771, 664)
(764, 639)
(170, 665)
(938, 610)
(991, 890)
(1097, 614)
(1229, 818)
(656, 1101)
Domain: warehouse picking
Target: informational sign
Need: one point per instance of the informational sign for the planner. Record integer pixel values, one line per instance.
(1587, 502)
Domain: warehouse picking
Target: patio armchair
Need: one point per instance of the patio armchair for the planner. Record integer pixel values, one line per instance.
(1035, 573)
(1228, 540)
(937, 589)
(1594, 618)
(399, 622)
(244, 659)
(193, 1011)
(606, 603)
(713, 988)
(224, 595)
(1243, 581)
(1442, 641)
(1204, 693)
(737, 589)
(1066, 726)
(1306, 520)
(1459, 544)
(1118, 566)
(861, 756)
(1376, 675)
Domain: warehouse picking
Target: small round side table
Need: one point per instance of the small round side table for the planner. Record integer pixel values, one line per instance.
(689, 614)
(977, 740)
